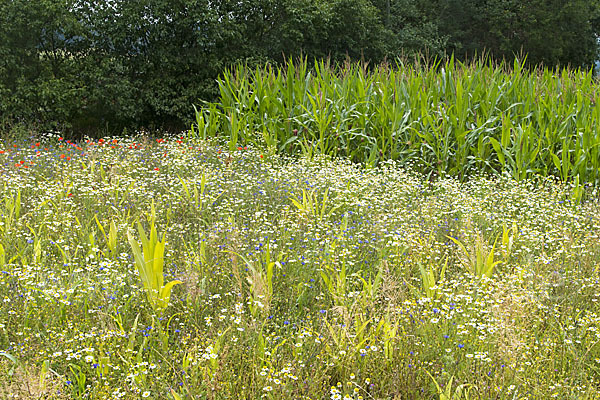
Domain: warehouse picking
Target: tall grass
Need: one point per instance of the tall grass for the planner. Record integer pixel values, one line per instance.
(447, 118)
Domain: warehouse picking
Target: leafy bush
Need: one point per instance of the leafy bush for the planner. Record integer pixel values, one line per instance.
(87, 65)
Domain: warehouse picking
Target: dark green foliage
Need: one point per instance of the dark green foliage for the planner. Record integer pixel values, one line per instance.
(79, 64)
(412, 27)
(555, 32)
(36, 73)
(88, 65)
(354, 30)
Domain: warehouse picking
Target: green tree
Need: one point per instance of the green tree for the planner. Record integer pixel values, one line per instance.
(37, 64)
(555, 32)
(558, 32)
(411, 26)
(150, 60)
(354, 30)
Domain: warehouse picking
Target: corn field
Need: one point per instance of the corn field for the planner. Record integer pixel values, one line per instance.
(447, 118)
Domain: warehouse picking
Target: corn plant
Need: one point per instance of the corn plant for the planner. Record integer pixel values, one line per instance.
(149, 260)
(430, 279)
(371, 286)
(193, 196)
(335, 281)
(478, 262)
(346, 340)
(12, 209)
(111, 238)
(197, 256)
(43, 375)
(261, 281)
(508, 239)
(310, 204)
(388, 331)
(205, 127)
(37, 245)
(79, 379)
(461, 391)
(2, 256)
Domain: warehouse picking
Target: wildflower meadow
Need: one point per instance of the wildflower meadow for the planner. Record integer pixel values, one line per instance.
(188, 267)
